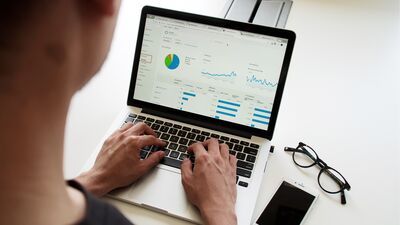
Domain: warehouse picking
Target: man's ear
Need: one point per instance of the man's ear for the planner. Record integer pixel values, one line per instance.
(106, 7)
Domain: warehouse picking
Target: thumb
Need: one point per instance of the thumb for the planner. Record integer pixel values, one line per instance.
(153, 160)
(186, 170)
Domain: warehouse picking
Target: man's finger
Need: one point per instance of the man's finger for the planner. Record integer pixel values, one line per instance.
(212, 146)
(139, 129)
(152, 160)
(125, 127)
(186, 169)
(198, 149)
(233, 161)
(224, 151)
(148, 140)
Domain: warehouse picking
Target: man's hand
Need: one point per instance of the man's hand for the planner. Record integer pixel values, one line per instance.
(118, 163)
(211, 185)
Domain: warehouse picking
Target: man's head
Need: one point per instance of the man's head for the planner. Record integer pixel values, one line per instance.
(41, 39)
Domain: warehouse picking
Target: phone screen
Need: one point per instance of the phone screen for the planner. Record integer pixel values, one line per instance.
(288, 206)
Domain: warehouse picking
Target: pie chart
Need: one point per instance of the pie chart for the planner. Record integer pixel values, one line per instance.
(172, 61)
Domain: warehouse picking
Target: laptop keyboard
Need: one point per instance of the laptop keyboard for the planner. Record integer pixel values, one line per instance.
(178, 138)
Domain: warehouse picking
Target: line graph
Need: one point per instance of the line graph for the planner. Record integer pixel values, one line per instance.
(231, 74)
(260, 82)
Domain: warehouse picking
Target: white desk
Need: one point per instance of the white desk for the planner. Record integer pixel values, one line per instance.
(340, 98)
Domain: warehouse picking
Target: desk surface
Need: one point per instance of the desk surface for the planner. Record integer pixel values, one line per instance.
(340, 98)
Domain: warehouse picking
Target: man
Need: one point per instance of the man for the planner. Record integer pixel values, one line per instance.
(48, 50)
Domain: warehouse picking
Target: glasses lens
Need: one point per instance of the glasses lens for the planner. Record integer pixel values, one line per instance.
(306, 158)
(330, 180)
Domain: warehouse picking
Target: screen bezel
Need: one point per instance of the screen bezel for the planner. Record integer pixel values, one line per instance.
(280, 33)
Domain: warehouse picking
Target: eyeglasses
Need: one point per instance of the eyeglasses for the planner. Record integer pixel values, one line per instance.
(329, 179)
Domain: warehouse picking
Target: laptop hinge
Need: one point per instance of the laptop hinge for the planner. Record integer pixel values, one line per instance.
(197, 123)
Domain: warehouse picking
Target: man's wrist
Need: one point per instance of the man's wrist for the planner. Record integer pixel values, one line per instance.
(93, 182)
(220, 216)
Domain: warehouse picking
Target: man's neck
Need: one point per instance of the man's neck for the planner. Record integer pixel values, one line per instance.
(31, 155)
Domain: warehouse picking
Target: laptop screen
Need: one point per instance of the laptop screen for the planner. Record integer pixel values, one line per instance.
(212, 71)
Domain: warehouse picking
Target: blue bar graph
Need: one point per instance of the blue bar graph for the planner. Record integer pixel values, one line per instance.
(262, 110)
(184, 98)
(225, 113)
(259, 121)
(261, 116)
(229, 103)
(227, 108)
(189, 94)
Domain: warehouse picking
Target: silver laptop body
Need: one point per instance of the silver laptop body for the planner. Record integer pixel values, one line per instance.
(203, 77)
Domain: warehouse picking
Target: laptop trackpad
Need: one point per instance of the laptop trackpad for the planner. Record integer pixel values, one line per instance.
(163, 190)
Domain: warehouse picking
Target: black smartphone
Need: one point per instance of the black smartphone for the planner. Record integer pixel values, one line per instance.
(289, 205)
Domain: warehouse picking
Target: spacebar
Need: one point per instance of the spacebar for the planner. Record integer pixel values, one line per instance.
(171, 162)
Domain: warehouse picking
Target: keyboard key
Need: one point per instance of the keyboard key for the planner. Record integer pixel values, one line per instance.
(182, 133)
(243, 184)
(215, 136)
(172, 146)
(224, 138)
(165, 136)
(159, 122)
(148, 123)
(166, 152)
(200, 137)
(183, 141)
(196, 131)
(251, 158)
(132, 115)
(244, 143)
(186, 128)
(150, 119)
(240, 155)
(173, 131)
(238, 148)
(254, 146)
(141, 117)
(251, 151)
(230, 145)
(191, 142)
(168, 124)
(237, 178)
(182, 148)
(205, 133)
(171, 162)
(138, 121)
(166, 144)
(129, 119)
(146, 148)
(245, 165)
(143, 154)
(243, 173)
(177, 126)
(155, 126)
(233, 140)
(232, 152)
(183, 156)
(164, 129)
(174, 139)
(191, 136)
(157, 134)
(155, 148)
(174, 154)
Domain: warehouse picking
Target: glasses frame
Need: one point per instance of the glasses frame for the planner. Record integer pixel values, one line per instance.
(323, 168)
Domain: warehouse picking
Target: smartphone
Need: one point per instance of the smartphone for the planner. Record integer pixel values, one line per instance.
(289, 205)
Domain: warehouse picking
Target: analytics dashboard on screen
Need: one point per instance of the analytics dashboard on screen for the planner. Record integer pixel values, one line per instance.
(212, 71)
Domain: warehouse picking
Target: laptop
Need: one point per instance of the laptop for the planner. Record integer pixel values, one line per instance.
(194, 78)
